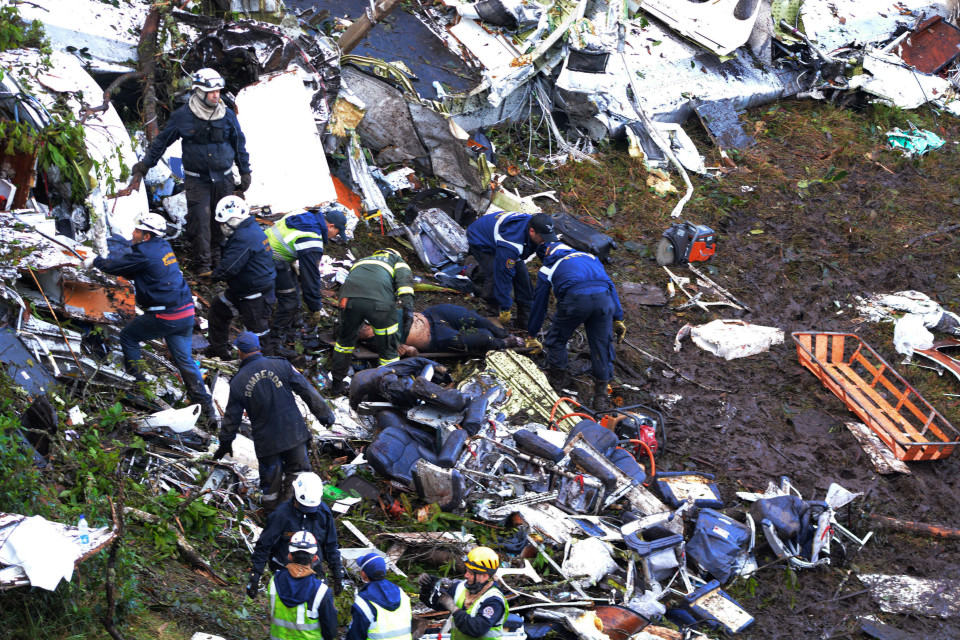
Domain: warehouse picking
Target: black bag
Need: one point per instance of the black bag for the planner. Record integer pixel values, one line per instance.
(437, 198)
(583, 237)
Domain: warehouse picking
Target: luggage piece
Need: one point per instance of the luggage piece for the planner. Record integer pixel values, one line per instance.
(583, 237)
(716, 543)
(456, 207)
(437, 239)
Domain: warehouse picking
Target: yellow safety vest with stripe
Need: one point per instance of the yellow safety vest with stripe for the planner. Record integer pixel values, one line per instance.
(460, 596)
(298, 623)
(388, 625)
(284, 239)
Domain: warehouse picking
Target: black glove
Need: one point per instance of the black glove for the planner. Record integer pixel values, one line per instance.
(139, 168)
(338, 574)
(224, 449)
(245, 179)
(446, 601)
(327, 419)
(407, 323)
(253, 585)
(425, 581)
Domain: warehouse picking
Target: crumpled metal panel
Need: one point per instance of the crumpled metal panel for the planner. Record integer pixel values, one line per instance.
(242, 52)
(720, 26)
(833, 24)
(391, 130)
(529, 388)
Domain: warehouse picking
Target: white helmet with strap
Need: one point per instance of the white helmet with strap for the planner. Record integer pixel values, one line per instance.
(206, 80)
(230, 208)
(152, 223)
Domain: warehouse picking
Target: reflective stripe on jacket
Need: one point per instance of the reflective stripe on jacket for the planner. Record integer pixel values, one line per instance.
(387, 625)
(298, 623)
(286, 241)
(460, 596)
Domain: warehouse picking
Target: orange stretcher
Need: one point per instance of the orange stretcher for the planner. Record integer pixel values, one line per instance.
(893, 409)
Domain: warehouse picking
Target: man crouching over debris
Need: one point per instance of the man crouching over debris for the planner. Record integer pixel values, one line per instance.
(381, 610)
(477, 606)
(370, 293)
(212, 143)
(301, 605)
(167, 304)
(501, 242)
(304, 512)
(247, 268)
(264, 388)
(448, 327)
(585, 296)
(301, 238)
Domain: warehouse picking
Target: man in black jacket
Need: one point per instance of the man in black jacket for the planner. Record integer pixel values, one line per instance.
(305, 511)
(212, 143)
(248, 269)
(264, 388)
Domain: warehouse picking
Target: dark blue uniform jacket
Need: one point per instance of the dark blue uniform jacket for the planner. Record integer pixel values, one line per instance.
(210, 147)
(566, 270)
(156, 275)
(247, 263)
(309, 253)
(264, 388)
(510, 250)
(285, 521)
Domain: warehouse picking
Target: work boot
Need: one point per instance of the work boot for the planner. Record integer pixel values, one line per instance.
(218, 352)
(338, 387)
(601, 398)
(558, 379)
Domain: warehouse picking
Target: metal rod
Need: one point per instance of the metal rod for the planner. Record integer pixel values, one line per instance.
(59, 326)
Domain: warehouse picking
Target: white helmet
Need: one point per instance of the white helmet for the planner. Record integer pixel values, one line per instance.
(308, 491)
(153, 223)
(231, 207)
(207, 80)
(302, 541)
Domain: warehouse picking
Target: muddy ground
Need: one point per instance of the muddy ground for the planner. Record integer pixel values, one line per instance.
(797, 257)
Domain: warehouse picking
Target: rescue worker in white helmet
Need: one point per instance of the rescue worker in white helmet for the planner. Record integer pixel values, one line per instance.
(248, 269)
(477, 606)
(212, 143)
(167, 304)
(301, 605)
(305, 511)
(381, 610)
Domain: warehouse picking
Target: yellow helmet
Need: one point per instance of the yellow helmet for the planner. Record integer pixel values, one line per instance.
(483, 560)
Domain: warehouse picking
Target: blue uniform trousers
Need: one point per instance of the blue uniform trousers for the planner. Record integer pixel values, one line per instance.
(593, 308)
